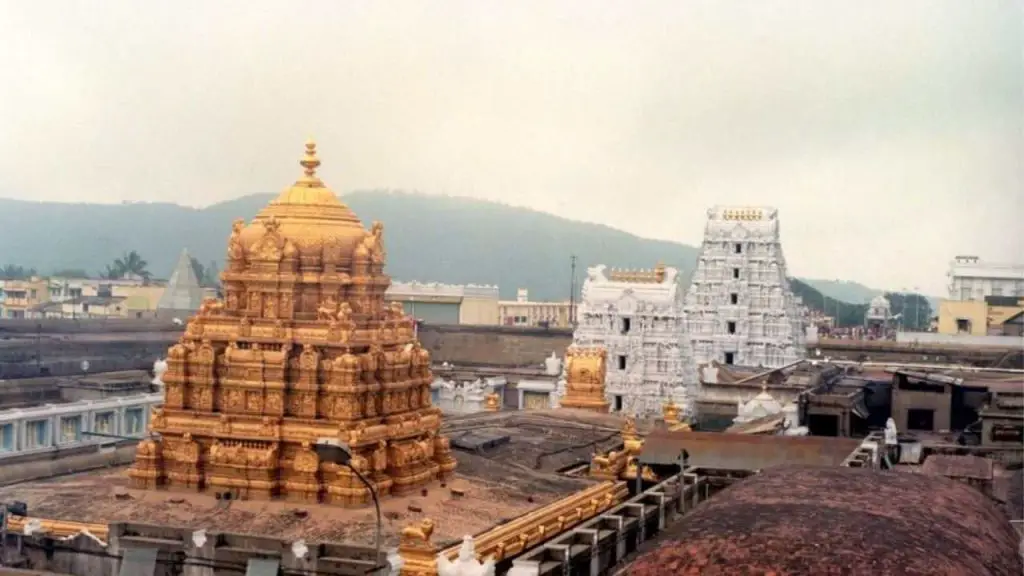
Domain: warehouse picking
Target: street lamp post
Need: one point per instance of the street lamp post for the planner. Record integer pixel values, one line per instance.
(331, 450)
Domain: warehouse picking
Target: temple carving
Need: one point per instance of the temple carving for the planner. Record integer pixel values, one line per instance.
(584, 379)
(302, 348)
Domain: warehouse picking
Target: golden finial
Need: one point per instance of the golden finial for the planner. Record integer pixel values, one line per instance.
(310, 163)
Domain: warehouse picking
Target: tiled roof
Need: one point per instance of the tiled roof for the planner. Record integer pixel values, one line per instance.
(958, 466)
(812, 521)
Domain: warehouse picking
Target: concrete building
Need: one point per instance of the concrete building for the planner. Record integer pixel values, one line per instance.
(22, 296)
(739, 307)
(989, 316)
(970, 278)
(76, 298)
(524, 312)
(637, 317)
(53, 427)
(447, 303)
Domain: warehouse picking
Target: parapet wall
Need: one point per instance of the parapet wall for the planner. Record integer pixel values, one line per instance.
(506, 346)
(86, 326)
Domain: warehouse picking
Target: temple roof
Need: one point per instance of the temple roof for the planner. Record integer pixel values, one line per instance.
(309, 214)
(838, 520)
(498, 484)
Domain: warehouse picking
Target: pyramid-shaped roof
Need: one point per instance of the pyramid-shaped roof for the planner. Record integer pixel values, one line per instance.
(183, 291)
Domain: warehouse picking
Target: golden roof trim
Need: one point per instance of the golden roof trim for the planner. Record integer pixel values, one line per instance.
(654, 275)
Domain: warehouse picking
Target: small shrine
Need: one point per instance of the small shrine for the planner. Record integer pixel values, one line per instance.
(584, 379)
(302, 348)
(759, 406)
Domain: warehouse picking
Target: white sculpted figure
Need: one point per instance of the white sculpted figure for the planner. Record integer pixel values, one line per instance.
(159, 368)
(553, 365)
(466, 564)
(891, 435)
(596, 273)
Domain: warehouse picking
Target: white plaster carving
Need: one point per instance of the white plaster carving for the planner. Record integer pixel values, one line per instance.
(466, 564)
(553, 365)
(759, 406)
(466, 397)
(739, 306)
(642, 327)
(159, 368)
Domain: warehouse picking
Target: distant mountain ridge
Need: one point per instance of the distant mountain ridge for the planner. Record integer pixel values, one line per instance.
(429, 238)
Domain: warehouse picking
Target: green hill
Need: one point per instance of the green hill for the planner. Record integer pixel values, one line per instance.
(429, 238)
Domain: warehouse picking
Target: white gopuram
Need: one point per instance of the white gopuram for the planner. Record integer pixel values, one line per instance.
(637, 317)
(739, 307)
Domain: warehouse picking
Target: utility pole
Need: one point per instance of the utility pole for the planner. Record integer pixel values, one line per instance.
(572, 291)
(917, 308)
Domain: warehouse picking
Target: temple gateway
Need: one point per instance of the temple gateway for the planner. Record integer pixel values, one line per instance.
(302, 348)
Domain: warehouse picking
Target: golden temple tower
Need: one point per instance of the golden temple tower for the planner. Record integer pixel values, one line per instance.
(584, 379)
(302, 348)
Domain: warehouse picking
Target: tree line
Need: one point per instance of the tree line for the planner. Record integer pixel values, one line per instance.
(130, 265)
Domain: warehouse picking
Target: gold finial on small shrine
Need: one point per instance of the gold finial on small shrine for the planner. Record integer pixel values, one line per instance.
(310, 163)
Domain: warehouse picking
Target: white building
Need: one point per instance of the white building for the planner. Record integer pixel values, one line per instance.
(972, 279)
(525, 312)
(55, 427)
(637, 316)
(446, 303)
(739, 307)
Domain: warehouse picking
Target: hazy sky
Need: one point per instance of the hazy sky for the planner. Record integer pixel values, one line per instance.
(889, 134)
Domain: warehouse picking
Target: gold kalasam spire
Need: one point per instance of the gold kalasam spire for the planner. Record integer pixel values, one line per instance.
(310, 163)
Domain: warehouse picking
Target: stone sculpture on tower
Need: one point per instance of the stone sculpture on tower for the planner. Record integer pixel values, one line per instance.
(302, 348)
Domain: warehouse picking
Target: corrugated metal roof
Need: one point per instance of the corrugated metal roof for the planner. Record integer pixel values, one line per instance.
(745, 452)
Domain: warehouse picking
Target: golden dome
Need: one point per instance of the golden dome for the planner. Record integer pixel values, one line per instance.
(310, 216)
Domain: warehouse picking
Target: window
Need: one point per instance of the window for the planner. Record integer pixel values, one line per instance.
(734, 298)
(729, 358)
(738, 248)
(104, 423)
(618, 403)
(730, 327)
(133, 422)
(36, 434)
(963, 325)
(32, 294)
(622, 362)
(736, 273)
(919, 419)
(7, 438)
(70, 429)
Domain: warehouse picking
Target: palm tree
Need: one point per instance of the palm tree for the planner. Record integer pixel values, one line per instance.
(131, 264)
